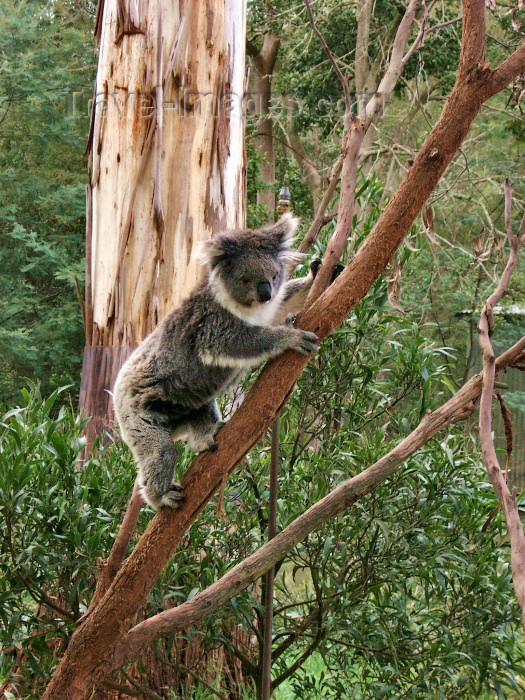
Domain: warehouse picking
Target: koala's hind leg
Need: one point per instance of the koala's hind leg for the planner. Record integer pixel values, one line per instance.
(153, 448)
(203, 426)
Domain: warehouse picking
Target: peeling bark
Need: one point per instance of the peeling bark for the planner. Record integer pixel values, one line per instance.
(166, 169)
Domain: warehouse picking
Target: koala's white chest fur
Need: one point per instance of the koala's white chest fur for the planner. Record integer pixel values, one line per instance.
(257, 315)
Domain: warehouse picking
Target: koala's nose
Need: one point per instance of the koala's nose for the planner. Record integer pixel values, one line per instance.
(264, 291)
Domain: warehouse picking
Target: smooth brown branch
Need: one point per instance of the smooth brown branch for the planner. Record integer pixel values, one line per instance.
(506, 500)
(109, 567)
(346, 209)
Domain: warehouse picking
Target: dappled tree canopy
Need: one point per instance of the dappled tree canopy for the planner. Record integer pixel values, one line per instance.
(408, 592)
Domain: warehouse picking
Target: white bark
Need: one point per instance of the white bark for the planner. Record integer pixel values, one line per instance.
(139, 271)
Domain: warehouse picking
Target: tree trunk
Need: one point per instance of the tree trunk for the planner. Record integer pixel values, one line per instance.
(166, 169)
(263, 62)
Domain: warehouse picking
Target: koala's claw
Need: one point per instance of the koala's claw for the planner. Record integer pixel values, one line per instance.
(316, 264)
(218, 425)
(306, 342)
(337, 271)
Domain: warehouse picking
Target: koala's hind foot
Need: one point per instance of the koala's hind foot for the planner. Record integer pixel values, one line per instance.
(173, 496)
(157, 458)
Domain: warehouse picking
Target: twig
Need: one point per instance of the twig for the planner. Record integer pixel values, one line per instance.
(319, 220)
(485, 327)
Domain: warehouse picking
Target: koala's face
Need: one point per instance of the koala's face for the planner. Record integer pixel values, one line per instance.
(251, 278)
(249, 267)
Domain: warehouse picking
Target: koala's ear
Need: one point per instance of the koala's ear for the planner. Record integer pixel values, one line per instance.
(282, 232)
(212, 251)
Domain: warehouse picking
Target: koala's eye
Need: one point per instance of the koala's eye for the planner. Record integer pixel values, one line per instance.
(245, 280)
(275, 276)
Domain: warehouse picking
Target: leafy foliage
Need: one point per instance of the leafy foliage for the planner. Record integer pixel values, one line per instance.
(56, 520)
(46, 54)
(407, 594)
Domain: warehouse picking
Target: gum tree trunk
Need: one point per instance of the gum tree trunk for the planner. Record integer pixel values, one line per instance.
(166, 169)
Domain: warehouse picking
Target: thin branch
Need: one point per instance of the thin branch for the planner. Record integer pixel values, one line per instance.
(109, 568)
(329, 54)
(506, 500)
(421, 35)
(319, 220)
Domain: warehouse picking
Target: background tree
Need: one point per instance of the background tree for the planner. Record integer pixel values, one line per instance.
(42, 172)
(166, 170)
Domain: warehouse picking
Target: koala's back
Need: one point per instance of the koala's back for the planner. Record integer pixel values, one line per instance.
(166, 373)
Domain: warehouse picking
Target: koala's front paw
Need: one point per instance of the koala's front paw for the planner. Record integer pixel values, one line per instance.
(304, 342)
(337, 271)
(315, 265)
(173, 496)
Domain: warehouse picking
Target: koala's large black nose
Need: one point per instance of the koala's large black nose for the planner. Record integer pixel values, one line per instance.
(264, 291)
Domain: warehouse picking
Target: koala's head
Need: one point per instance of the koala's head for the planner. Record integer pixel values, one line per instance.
(248, 268)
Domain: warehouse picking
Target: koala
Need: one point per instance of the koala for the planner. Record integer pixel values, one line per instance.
(235, 319)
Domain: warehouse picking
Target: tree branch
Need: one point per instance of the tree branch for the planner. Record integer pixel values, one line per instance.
(485, 327)
(108, 568)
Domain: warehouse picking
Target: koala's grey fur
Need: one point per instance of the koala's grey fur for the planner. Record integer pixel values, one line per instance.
(167, 388)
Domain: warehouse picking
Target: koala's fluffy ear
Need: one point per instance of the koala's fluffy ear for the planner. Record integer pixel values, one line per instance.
(211, 251)
(282, 232)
